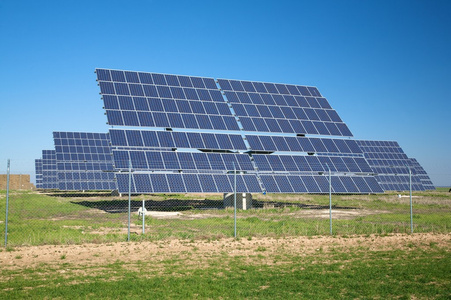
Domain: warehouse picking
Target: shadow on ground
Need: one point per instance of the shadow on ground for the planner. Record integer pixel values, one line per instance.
(121, 206)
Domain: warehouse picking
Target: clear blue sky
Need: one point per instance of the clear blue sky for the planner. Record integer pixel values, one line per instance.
(385, 66)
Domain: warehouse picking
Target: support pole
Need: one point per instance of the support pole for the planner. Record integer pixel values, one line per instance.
(411, 210)
(129, 196)
(7, 203)
(234, 198)
(144, 214)
(330, 200)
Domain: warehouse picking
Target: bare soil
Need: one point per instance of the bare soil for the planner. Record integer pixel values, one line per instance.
(132, 252)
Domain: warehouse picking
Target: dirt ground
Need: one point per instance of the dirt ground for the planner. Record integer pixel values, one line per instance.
(100, 254)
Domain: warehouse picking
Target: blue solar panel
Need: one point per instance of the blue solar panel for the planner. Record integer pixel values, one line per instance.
(391, 163)
(297, 184)
(311, 184)
(161, 95)
(38, 172)
(207, 183)
(283, 184)
(83, 159)
(223, 183)
(274, 106)
(173, 101)
(270, 184)
(49, 170)
(170, 139)
(172, 160)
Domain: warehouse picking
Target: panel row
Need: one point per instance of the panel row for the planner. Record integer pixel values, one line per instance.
(84, 166)
(319, 184)
(397, 179)
(172, 160)
(379, 144)
(302, 144)
(74, 156)
(294, 126)
(401, 187)
(85, 137)
(171, 120)
(187, 183)
(284, 112)
(165, 105)
(208, 183)
(173, 139)
(277, 100)
(155, 78)
(391, 163)
(293, 163)
(389, 170)
(158, 91)
(267, 87)
(87, 185)
(92, 176)
(399, 156)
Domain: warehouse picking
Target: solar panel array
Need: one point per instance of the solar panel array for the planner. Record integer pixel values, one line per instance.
(167, 158)
(38, 171)
(422, 175)
(392, 165)
(191, 132)
(84, 161)
(49, 171)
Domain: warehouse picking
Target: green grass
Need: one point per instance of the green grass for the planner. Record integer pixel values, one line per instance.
(413, 273)
(36, 219)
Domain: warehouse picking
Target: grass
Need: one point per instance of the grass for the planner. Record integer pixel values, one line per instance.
(37, 219)
(338, 273)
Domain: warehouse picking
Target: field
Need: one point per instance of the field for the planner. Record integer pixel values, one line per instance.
(74, 246)
(385, 267)
(60, 218)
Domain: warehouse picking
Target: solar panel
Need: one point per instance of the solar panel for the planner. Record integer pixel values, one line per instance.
(163, 100)
(84, 161)
(183, 151)
(171, 139)
(302, 144)
(38, 172)
(172, 160)
(268, 107)
(388, 160)
(49, 170)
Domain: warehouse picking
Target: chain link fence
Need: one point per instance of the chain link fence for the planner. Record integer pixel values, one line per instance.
(36, 217)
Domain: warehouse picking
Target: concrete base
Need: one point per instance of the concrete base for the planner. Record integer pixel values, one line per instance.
(243, 200)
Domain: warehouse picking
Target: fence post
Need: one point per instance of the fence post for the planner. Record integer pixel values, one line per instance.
(330, 200)
(144, 214)
(129, 195)
(234, 198)
(7, 203)
(410, 190)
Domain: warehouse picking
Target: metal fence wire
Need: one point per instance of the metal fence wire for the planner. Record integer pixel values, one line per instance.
(35, 217)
